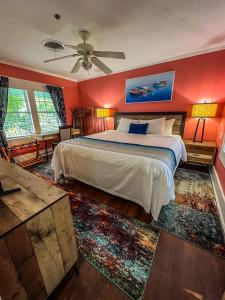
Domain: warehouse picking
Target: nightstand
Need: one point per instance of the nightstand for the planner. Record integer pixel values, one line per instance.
(200, 153)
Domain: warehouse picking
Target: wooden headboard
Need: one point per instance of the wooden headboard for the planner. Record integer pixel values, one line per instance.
(178, 127)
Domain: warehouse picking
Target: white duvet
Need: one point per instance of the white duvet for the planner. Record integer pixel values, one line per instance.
(146, 181)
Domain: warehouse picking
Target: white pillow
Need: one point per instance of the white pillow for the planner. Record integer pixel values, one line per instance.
(169, 126)
(124, 124)
(155, 126)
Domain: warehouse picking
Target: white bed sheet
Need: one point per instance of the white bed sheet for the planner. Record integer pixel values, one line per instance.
(146, 181)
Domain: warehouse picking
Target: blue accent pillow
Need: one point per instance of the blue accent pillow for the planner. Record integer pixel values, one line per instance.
(138, 128)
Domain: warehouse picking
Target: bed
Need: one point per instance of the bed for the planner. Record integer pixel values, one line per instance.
(135, 167)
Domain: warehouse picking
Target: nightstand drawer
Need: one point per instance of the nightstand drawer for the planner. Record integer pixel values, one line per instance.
(200, 150)
(202, 153)
(200, 158)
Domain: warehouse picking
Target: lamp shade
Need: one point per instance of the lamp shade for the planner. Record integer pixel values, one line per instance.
(204, 110)
(104, 112)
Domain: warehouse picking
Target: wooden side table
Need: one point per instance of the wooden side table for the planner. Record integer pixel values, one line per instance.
(37, 240)
(200, 153)
(45, 137)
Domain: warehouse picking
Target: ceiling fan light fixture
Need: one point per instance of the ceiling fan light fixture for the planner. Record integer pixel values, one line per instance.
(86, 64)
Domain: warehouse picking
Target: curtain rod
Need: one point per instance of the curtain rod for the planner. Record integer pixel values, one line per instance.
(32, 81)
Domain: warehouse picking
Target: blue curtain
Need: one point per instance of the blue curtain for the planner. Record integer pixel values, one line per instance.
(4, 86)
(56, 94)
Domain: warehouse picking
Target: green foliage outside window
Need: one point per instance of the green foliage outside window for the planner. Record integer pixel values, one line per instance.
(18, 119)
(48, 119)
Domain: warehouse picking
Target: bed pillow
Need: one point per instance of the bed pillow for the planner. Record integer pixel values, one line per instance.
(124, 124)
(155, 126)
(138, 128)
(169, 126)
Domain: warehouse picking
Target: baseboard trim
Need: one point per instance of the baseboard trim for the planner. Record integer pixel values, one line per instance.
(220, 197)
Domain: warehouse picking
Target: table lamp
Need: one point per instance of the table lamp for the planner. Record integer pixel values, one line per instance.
(104, 113)
(203, 111)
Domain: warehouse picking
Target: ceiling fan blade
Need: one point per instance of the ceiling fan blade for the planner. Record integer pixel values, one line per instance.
(73, 47)
(109, 54)
(61, 57)
(76, 67)
(101, 65)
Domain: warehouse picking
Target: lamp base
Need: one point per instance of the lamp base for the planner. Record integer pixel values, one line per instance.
(196, 130)
(103, 124)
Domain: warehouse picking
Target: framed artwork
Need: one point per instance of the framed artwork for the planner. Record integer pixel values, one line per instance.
(152, 88)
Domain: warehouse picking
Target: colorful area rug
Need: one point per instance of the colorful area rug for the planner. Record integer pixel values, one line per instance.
(120, 247)
(193, 216)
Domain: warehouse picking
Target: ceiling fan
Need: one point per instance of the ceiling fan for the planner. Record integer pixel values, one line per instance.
(86, 53)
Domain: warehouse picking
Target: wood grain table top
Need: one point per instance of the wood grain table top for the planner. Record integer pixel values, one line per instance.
(35, 196)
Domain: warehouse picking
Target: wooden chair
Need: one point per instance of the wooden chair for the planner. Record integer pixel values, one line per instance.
(65, 133)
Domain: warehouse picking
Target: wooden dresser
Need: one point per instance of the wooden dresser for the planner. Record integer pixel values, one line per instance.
(37, 241)
(201, 153)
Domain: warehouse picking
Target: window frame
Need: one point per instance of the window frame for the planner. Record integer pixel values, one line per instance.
(45, 111)
(28, 111)
(30, 87)
(222, 152)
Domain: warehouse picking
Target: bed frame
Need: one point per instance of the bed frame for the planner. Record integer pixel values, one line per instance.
(178, 127)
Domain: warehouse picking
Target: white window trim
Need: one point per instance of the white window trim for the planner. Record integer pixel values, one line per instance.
(47, 132)
(222, 152)
(30, 87)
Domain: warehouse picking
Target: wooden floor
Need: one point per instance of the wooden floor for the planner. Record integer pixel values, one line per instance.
(180, 270)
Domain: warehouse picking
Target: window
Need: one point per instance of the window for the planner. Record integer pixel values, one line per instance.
(29, 111)
(18, 120)
(48, 118)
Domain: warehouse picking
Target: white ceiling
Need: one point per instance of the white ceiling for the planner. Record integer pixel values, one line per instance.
(146, 30)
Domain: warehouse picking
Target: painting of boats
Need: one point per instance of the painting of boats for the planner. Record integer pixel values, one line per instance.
(152, 88)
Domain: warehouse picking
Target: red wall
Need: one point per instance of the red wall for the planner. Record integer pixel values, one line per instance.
(69, 91)
(219, 166)
(196, 78)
